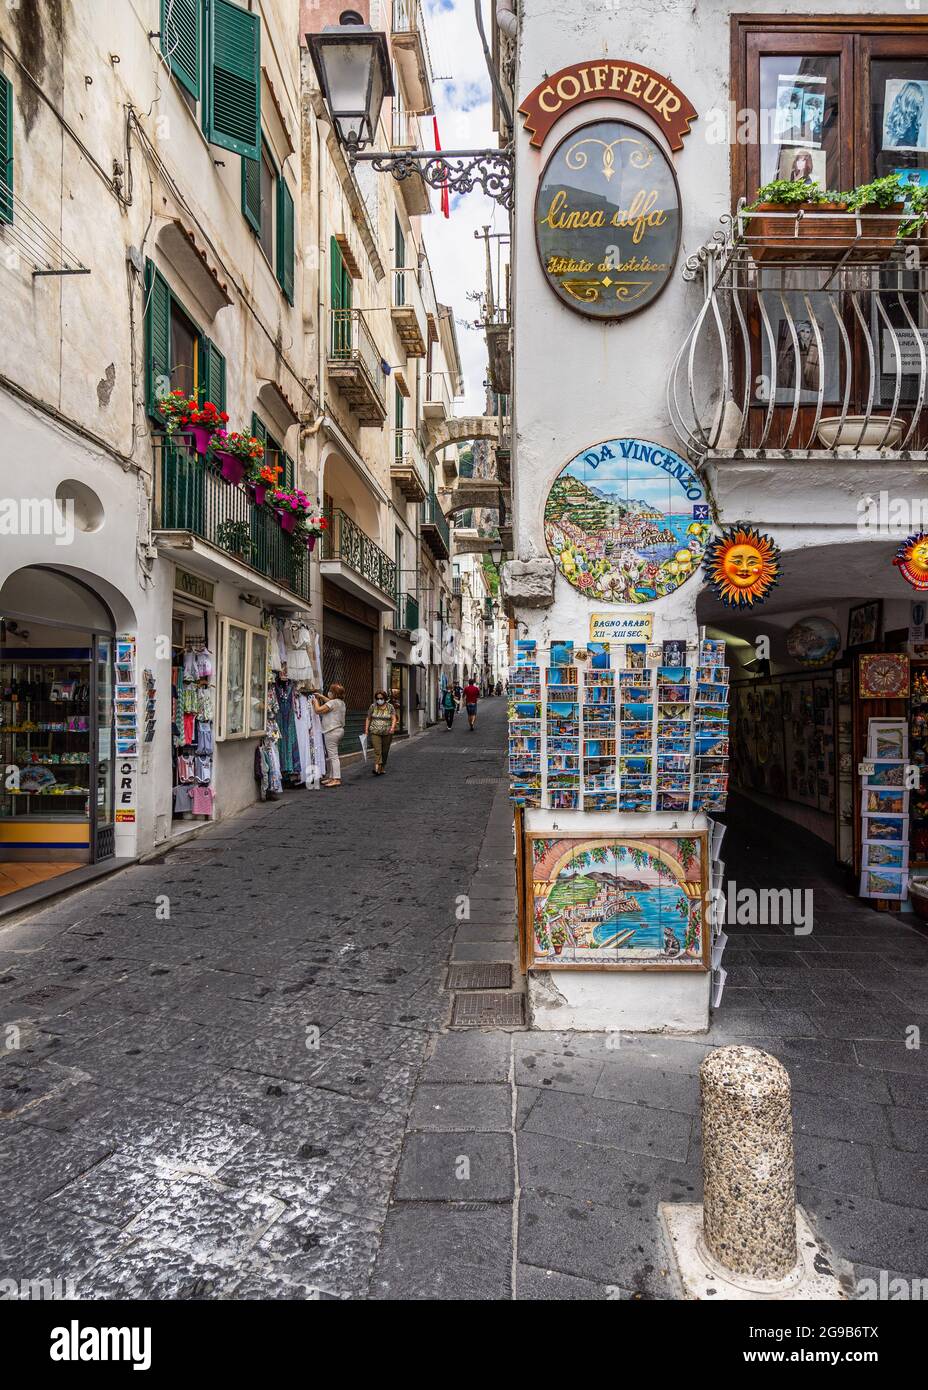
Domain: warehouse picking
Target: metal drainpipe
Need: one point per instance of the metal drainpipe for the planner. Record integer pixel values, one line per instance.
(506, 18)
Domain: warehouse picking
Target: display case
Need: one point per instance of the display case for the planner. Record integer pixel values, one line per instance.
(46, 728)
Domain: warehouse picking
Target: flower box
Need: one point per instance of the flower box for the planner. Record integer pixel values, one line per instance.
(231, 467)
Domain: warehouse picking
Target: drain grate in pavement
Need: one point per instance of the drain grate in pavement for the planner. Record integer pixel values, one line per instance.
(484, 781)
(488, 1011)
(481, 975)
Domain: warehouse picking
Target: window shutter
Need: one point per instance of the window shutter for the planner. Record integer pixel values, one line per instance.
(259, 428)
(6, 149)
(289, 473)
(180, 41)
(285, 238)
(233, 89)
(251, 192)
(213, 376)
(157, 339)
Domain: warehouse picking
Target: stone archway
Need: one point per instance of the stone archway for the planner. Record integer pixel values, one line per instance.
(461, 430)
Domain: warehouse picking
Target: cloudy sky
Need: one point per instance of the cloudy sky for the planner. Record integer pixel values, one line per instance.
(464, 111)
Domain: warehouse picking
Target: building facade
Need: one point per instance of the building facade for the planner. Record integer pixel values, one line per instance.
(176, 216)
(683, 376)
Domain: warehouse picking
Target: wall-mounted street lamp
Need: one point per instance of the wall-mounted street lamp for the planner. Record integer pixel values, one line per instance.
(352, 63)
(496, 554)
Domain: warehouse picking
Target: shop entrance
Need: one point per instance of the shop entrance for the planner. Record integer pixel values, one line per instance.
(399, 694)
(57, 648)
(348, 660)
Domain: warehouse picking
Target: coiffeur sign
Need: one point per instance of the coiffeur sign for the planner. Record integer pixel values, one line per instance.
(620, 81)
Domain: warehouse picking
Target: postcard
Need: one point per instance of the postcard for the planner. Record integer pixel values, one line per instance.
(887, 800)
(884, 883)
(885, 855)
(884, 827)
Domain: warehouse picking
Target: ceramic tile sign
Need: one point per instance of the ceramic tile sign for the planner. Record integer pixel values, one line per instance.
(627, 521)
(884, 676)
(617, 902)
(607, 220)
(619, 628)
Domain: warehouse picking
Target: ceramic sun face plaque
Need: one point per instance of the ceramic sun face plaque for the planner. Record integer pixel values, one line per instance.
(627, 521)
(616, 902)
(912, 560)
(742, 566)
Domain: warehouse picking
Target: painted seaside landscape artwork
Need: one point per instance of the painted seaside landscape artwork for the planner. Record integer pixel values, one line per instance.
(627, 521)
(625, 903)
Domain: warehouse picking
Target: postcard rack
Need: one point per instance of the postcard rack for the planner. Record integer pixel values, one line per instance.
(640, 735)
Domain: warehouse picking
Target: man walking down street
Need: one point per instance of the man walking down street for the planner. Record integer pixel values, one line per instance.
(471, 696)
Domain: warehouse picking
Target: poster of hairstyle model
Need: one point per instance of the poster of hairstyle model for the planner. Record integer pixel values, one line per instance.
(617, 902)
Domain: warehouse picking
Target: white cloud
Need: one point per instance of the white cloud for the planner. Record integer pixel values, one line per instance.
(464, 111)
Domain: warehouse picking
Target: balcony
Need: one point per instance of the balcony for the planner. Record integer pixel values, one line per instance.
(408, 469)
(405, 138)
(407, 613)
(410, 46)
(356, 563)
(193, 504)
(407, 313)
(356, 366)
(439, 397)
(435, 531)
(807, 343)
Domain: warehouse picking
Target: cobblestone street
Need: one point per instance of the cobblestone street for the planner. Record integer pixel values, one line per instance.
(174, 1128)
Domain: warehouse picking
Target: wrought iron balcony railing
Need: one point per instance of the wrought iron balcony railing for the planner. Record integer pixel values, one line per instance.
(351, 341)
(345, 541)
(189, 495)
(408, 454)
(816, 347)
(408, 19)
(433, 516)
(407, 613)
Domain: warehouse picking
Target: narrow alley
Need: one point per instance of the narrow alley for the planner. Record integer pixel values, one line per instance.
(230, 1072)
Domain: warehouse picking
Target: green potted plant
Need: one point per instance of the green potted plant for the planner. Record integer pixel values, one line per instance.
(235, 536)
(787, 238)
(558, 939)
(884, 197)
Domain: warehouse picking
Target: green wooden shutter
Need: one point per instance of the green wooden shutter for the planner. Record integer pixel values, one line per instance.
(181, 24)
(341, 300)
(284, 238)
(213, 374)
(289, 473)
(251, 192)
(6, 150)
(258, 428)
(157, 339)
(232, 118)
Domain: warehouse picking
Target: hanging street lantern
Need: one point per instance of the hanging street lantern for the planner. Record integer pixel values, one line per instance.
(352, 63)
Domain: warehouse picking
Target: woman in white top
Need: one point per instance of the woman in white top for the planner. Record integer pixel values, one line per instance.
(331, 710)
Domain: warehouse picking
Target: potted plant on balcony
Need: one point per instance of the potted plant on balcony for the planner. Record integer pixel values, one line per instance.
(235, 536)
(262, 478)
(174, 409)
(885, 198)
(201, 424)
(312, 528)
(235, 452)
(291, 507)
(786, 238)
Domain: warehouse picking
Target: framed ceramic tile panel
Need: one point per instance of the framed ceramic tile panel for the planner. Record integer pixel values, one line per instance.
(616, 902)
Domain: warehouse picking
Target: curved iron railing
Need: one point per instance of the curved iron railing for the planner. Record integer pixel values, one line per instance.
(345, 541)
(824, 349)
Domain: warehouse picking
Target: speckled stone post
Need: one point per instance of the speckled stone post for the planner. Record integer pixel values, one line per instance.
(749, 1206)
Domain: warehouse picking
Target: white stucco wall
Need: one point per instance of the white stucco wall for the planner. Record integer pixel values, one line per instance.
(577, 382)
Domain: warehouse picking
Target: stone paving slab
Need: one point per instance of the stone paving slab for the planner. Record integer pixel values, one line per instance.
(462, 1107)
(431, 1251)
(456, 1167)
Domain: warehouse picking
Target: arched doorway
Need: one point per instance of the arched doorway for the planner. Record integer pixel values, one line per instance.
(57, 727)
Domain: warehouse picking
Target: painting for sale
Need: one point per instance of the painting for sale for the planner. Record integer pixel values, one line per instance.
(617, 903)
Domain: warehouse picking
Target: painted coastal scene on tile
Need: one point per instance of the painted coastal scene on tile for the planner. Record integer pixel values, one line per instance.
(620, 901)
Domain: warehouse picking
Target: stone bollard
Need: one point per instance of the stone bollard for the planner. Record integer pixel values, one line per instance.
(749, 1205)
